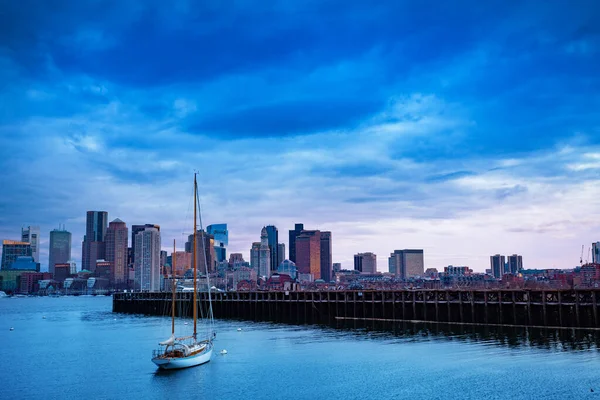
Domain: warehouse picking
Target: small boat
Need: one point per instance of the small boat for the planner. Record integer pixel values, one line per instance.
(11, 328)
(189, 351)
(239, 329)
(3, 294)
(223, 351)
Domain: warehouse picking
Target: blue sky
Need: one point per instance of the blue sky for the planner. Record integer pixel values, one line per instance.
(463, 128)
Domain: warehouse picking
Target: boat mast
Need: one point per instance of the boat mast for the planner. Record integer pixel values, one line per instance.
(173, 299)
(194, 259)
(210, 310)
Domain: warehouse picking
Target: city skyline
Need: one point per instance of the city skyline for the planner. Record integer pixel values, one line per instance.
(382, 265)
(466, 132)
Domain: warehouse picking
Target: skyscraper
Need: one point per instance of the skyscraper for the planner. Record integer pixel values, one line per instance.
(183, 262)
(11, 249)
(60, 248)
(117, 237)
(280, 253)
(497, 265)
(134, 231)
(273, 241)
(298, 228)
(264, 258)
(31, 235)
(147, 259)
(205, 251)
(366, 263)
(308, 253)
(221, 240)
(93, 247)
(596, 253)
(408, 263)
(326, 259)
(255, 256)
(515, 264)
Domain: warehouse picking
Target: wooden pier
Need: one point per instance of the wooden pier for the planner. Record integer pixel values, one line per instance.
(523, 308)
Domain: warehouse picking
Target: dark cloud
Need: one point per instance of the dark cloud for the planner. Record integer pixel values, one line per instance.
(286, 118)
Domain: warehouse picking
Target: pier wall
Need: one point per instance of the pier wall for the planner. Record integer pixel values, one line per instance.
(531, 308)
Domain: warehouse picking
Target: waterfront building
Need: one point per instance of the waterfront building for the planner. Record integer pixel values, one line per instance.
(11, 249)
(515, 264)
(31, 235)
(93, 247)
(29, 282)
(117, 236)
(407, 263)
(326, 257)
(62, 271)
(497, 264)
(60, 248)
(103, 269)
(147, 259)
(365, 263)
(308, 253)
(264, 255)
(280, 253)
(596, 253)
(25, 263)
(243, 274)
(273, 241)
(10, 280)
(298, 228)
(288, 267)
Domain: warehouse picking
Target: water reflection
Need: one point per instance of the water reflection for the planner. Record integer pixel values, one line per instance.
(512, 337)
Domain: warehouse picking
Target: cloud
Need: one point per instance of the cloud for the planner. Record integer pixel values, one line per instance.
(469, 131)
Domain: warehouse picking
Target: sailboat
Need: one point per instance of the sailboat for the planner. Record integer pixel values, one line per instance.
(188, 351)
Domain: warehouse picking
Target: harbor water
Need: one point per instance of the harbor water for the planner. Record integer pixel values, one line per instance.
(75, 347)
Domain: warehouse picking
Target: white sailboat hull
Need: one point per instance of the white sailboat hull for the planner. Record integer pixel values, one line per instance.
(184, 362)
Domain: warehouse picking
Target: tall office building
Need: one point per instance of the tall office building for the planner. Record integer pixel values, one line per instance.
(60, 248)
(11, 249)
(255, 256)
(596, 253)
(326, 259)
(497, 265)
(135, 229)
(147, 259)
(515, 264)
(298, 228)
(280, 253)
(182, 263)
(264, 257)
(273, 242)
(308, 253)
(205, 251)
(408, 263)
(93, 247)
(31, 235)
(366, 263)
(117, 237)
(220, 235)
